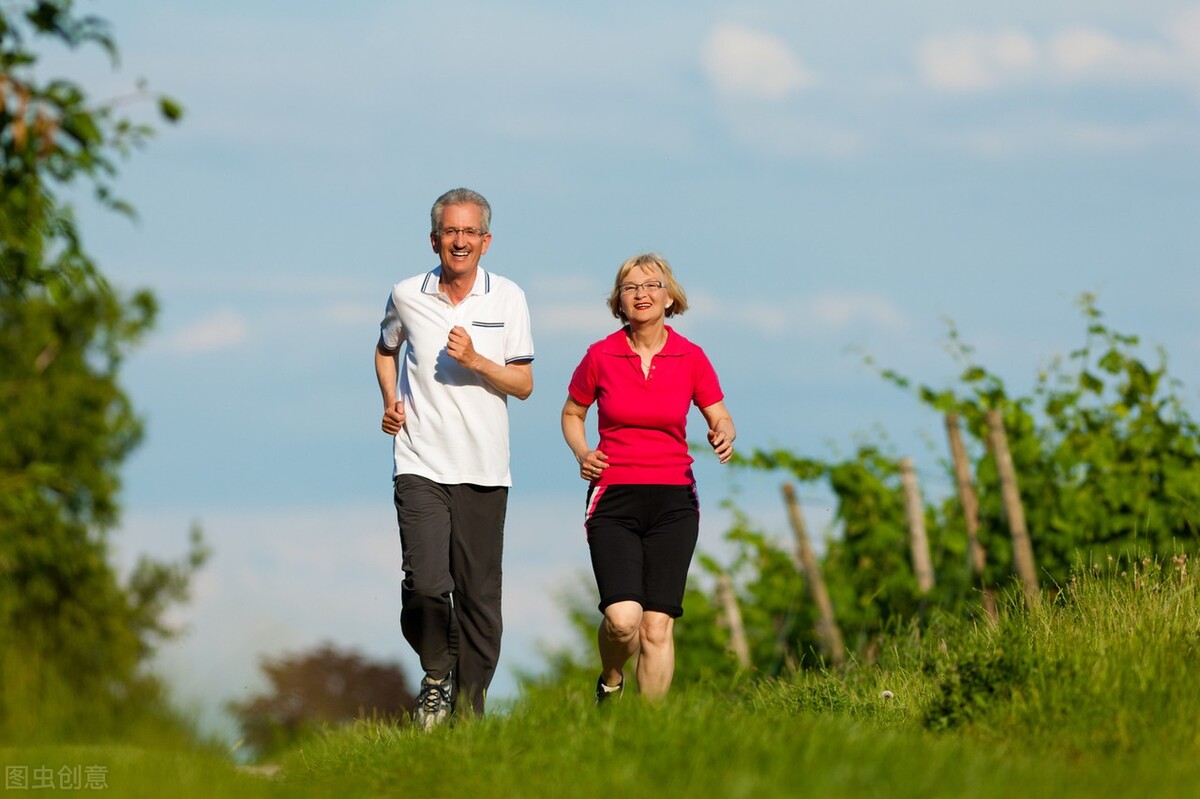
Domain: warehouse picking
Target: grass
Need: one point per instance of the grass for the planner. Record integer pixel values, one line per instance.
(1094, 694)
(704, 745)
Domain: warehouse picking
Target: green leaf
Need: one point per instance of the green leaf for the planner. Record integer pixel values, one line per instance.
(1089, 382)
(171, 110)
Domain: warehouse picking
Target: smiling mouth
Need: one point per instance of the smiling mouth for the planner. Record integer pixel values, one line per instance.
(641, 306)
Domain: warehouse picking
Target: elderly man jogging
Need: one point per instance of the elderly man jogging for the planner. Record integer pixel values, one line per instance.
(456, 343)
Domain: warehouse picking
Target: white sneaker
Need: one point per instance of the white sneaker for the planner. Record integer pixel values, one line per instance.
(433, 703)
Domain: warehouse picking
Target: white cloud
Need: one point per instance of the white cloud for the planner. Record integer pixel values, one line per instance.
(972, 61)
(1083, 50)
(788, 135)
(221, 330)
(592, 318)
(840, 310)
(1086, 54)
(354, 314)
(827, 311)
(1017, 140)
(744, 62)
(1184, 31)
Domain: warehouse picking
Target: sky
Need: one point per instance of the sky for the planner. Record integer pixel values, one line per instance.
(829, 181)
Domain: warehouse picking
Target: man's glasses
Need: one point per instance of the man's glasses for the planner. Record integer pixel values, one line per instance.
(629, 289)
(453, 232)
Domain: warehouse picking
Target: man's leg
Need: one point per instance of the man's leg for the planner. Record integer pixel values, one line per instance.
(426, 616)
(476, 550)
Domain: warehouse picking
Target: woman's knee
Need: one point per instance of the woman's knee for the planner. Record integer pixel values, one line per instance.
(623, 619)
(656, 629)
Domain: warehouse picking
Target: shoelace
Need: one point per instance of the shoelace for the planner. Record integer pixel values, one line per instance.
(434, 698)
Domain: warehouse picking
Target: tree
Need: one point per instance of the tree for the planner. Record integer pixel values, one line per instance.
(324, 686)
(1108, 461)
(72, 633)
(1108, 456)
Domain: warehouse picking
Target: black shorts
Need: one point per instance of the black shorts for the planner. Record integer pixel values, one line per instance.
(642, 538)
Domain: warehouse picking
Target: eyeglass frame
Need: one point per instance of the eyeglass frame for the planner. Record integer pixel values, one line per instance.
(631, 289)
(468, 232)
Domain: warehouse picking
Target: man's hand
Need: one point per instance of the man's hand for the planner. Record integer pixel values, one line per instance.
(393, 418)
(460, 347)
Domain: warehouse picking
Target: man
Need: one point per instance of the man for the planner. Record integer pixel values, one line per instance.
(469, 348)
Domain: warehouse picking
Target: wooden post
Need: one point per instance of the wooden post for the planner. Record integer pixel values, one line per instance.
(828, 633)
(733, 619)
(970, 507)
(918, 540)
(1022, 549)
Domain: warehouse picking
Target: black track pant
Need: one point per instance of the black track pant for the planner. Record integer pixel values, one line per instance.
(452, 537)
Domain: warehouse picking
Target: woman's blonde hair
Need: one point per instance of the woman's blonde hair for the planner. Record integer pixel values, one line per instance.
(649, 261)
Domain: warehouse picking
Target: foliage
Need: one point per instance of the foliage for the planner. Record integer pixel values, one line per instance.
(773, 603)
(1108, 463)
(53, 136)
(313, 689)
(867, 570)
(1105, 667)
(1107, 456)
(66, 425)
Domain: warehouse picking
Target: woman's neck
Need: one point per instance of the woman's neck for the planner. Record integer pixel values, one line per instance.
(647, 339)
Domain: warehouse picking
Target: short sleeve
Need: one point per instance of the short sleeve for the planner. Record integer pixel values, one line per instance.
(707, 388)
(582, 387)
(391, 331)
(518, 334)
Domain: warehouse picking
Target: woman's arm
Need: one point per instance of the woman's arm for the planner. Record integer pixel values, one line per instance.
(591, 461)
(721, 432)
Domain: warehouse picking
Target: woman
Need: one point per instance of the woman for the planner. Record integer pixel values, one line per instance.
(643, 514)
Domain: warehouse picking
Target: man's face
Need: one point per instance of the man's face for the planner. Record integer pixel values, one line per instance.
(460, 243)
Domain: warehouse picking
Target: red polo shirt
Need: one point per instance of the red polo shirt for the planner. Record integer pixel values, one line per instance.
(643, 420)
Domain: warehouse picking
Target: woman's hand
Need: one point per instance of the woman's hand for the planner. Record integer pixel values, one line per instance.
(722, 444)
(592, 464)
(721, 431)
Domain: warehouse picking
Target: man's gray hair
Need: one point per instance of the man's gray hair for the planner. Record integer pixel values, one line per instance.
(459, 197)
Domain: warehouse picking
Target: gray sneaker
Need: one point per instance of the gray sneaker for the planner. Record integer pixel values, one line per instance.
(433, 703)
(605, 693)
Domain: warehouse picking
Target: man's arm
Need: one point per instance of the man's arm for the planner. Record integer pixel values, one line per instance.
(514, 379)
(386, 372)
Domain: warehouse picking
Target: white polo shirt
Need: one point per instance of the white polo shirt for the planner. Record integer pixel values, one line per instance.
(456, 427)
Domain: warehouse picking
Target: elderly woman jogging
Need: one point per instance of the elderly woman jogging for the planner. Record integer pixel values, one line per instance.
(642, 514)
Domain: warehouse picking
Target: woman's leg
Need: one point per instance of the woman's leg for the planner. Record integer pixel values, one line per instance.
(656, 662)
(618, 638)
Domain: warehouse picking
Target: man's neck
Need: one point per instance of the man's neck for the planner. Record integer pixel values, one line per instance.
(457, 287)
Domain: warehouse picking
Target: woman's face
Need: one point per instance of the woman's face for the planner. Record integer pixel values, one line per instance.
(644, 297)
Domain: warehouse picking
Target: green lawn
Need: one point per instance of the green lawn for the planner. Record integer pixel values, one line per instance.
(1095, 694)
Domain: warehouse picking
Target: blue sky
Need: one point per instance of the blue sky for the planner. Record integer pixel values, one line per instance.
(826, 179)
